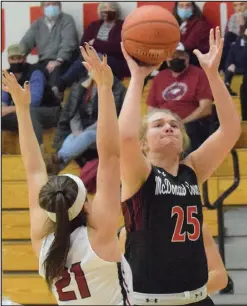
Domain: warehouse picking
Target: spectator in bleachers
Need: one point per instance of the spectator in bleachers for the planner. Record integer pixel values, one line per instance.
(237, 60)
(243, 89)
(105, 36)
(235, 28)
(55, 37)
(243, 97)
(76, 131)
(184, 89)
(45, 108)
(193, 27)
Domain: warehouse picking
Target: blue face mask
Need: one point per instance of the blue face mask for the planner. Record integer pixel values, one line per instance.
(184, 14)
(51, 11)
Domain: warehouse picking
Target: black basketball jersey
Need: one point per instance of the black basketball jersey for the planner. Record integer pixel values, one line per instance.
(164, 242)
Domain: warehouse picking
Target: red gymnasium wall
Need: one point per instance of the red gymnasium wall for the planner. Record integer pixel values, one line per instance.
(215, 12)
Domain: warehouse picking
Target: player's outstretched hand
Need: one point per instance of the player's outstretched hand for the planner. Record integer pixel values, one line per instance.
(135, 69)
(20, 95)
(101, 72)
(210, 62)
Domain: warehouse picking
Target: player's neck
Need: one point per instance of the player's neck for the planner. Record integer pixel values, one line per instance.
(170, 163)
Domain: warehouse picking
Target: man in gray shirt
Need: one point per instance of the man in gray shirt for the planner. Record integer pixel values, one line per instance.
(55, 37)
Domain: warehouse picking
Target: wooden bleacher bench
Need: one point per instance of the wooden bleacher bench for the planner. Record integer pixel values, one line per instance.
(27, 289)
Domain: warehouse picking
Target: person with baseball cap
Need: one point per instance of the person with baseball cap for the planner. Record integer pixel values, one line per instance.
(45, 108)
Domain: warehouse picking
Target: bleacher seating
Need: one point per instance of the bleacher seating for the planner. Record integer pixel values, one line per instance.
(20, 278)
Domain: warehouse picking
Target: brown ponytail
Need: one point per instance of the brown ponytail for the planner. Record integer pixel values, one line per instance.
(57, 196)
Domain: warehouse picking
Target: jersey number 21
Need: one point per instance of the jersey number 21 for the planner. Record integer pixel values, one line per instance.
(65, 281)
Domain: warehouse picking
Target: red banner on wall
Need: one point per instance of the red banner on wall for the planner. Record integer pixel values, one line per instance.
(35, 13)
(3, 30)
(89, 13)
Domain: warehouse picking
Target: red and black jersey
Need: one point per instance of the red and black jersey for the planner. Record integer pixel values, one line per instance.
(164, 242)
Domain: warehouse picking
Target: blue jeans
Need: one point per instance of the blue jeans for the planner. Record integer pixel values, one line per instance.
(74, 145)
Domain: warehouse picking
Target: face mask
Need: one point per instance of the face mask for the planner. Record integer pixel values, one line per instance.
(108, 15)
(177, 65)
(184, 14)
(17, 67)
(51, 11)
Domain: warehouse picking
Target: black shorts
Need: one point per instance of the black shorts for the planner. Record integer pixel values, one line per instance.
(205, 302)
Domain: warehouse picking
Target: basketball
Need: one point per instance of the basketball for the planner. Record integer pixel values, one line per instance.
(150, 34)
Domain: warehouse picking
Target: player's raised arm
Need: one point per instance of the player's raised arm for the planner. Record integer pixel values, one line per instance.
(106, 205)
(31, 155)
(214, 150)
(134, 166)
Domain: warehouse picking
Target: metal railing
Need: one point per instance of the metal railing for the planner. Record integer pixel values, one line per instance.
(218, 204)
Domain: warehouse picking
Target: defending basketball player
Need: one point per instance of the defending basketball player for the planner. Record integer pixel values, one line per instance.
(76, 240)
(161, 200)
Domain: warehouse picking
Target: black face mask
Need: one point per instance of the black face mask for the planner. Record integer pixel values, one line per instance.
(17, 67)
(177, 65)
(109, 15)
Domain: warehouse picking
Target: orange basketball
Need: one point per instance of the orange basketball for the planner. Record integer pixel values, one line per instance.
(150, 34)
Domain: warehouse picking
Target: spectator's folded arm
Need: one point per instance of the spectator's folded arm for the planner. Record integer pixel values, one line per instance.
(203, 110)
(89, 33)
(69, 41)
(108, 47)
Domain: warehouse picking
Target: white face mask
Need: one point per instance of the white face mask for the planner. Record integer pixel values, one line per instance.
(51, 11)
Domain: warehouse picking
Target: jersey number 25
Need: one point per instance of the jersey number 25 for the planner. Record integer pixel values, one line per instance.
(178, 236)
(80, 280)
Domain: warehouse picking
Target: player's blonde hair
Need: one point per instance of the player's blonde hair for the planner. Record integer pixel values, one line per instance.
(144, 127)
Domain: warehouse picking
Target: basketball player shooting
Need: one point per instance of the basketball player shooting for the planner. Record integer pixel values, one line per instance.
(75, 239)
(161, 200)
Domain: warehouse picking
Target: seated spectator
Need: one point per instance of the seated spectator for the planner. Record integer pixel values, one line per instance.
(194, 28)
(237, 60)
(105, 36)
(243, 89)
(76, 131)
(45, 109)
(243, 97)
(184, 90)
(235, 28)
(55, 37)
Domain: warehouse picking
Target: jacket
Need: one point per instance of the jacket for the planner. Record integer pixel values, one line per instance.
(74, 103)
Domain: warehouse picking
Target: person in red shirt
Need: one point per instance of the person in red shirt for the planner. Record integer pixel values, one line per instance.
(184, 90)
(193, 27)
